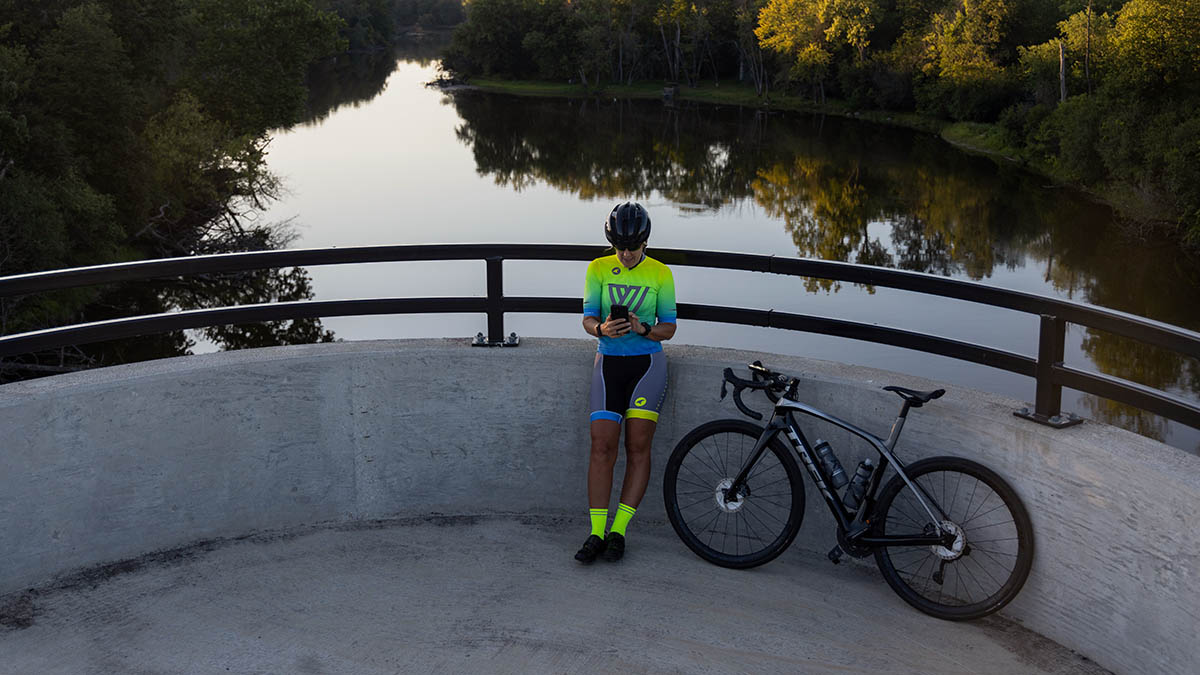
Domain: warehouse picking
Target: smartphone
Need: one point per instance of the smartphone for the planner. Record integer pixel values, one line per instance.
(620, 312)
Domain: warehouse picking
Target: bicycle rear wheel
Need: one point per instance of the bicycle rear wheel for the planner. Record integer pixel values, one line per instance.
(989, 561)
(740, 532)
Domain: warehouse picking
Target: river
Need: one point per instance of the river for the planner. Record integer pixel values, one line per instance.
(388, 160)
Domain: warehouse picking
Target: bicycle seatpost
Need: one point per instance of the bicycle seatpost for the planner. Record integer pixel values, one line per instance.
(898, 425)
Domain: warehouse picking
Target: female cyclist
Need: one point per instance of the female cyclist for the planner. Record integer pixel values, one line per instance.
(629, 380)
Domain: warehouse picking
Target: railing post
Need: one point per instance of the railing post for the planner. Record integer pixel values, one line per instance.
(1052, 338)
(495, 298)
(495, 308)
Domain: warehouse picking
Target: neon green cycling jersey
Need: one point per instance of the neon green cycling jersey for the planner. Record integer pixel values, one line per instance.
(648, 289)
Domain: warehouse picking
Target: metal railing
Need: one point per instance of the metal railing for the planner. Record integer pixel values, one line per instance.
(1046, 367)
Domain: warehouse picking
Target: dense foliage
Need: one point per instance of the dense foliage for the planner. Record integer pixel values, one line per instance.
(372, 24)
(1119, 115)
(134, 129)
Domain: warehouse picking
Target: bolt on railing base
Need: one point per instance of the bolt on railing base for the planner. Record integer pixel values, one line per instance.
(1060, 421)
(511, 341)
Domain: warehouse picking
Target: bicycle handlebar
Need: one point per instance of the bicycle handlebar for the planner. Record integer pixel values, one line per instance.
(772, 382)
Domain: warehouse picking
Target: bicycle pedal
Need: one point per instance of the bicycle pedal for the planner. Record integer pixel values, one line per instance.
(835, 556)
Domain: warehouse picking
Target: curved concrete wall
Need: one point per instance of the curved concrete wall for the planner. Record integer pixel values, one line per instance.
(110, 464)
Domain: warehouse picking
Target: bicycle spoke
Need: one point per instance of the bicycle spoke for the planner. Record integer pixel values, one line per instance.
(700, 487)
(703, 479)
(712, 463)
(989, 554)
(777, 519)
(772, 483)
(984, 527)
(763, 467)
(1002, 505)
(725, 534)
(917, 523)
(750, 529)
(974, 542)
(760, 522)
(966, 568)
(710, 522)
(706, 498)
(971, 516)
(972, 499)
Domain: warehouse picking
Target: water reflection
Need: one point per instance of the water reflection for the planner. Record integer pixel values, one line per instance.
(356, 78)
(852, 192)
(171, 295)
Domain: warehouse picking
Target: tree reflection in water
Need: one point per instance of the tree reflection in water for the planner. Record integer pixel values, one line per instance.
(832, 182)
(170, 295)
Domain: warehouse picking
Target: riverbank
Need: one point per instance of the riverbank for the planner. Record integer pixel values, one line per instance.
(1142, 216)
(727, 94)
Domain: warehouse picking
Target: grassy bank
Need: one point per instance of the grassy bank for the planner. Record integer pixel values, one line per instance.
(727, 94)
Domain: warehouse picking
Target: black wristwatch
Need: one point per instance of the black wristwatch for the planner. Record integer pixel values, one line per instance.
(647, 333)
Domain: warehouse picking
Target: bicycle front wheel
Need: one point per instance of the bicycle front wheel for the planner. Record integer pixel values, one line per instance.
(992, 552)
(738, 531)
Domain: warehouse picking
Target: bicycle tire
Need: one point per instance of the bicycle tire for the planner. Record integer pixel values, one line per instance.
(996, 552)
(764, 521)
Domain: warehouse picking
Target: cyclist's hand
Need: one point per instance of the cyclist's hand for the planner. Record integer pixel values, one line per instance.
(635, 324)
(614, 327)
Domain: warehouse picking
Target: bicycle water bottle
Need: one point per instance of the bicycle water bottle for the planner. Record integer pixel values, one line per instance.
(858, 486)
(837, 475)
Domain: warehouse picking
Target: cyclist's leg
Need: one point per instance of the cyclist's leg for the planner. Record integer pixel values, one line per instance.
(645, 402)
(605, 436)
(608, 409)
(639, 434)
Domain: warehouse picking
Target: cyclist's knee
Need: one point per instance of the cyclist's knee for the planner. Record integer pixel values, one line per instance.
(605, 438)
(637, 452)
(604, 452)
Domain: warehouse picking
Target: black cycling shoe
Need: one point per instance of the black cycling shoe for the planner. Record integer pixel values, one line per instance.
(592, 547)
(614, 547)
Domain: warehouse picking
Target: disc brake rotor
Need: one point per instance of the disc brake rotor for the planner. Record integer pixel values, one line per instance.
(955, 551)
(722, 496)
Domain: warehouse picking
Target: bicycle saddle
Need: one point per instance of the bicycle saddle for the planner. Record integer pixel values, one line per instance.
(916, 398)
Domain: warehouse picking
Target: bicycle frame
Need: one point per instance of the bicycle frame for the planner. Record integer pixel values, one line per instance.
(856, 525)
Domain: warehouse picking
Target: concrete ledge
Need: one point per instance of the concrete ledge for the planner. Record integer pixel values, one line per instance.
(110, 464)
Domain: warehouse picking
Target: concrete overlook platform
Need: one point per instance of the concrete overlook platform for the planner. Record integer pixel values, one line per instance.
(412, 506)
(500, 594)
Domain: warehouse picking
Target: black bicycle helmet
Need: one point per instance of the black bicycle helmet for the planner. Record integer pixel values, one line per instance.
(628, 226)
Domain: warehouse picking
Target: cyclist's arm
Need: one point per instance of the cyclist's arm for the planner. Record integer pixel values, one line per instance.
(594, 327)
(661, 332)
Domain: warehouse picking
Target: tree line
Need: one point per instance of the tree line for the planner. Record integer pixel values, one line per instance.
(374, 24)
(135, 129)
(1100, 92)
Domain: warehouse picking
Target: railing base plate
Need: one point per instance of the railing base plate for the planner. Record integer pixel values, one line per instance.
(511, 341)
(1061, 421)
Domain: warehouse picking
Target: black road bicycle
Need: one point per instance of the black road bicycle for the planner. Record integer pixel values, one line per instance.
(950, 536)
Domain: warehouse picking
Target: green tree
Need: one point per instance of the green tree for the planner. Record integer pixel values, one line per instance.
(961, 43)
(750, 51)
(251, 57)
(797, 30)
(674, 20)
(851, 23)
(1157, 43)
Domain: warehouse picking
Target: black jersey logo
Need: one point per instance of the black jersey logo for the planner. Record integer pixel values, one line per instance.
(630, 296)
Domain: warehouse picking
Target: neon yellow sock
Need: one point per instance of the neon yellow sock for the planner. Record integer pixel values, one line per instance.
(624, 515)
(599, 520)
